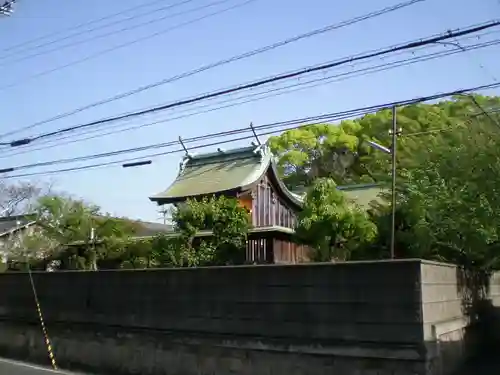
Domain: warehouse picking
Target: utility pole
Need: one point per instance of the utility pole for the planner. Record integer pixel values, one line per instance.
(393, 175)
(395, 132)
(164, 211)
(7, 8)
(93, 265)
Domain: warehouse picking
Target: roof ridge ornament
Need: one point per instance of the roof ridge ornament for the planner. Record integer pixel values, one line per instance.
(188, 154)
(262, 151)
(183, 163)
(255, 134)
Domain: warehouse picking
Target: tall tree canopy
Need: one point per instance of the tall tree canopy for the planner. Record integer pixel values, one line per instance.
(448, 173)
(455, 199)
(338, 151)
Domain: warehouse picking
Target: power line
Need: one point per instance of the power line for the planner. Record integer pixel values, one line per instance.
(242, 56)
(127, 44)
(186, 141)
(277, 91)
(112, 32)
(324, 117)
(259, 95)
(481, 66)
(483, 111)
(281, 77)
(90, 30)
(322, 81)
(59, 32)
(140, 160)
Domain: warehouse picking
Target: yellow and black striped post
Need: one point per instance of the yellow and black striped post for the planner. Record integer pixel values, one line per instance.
(42, 323)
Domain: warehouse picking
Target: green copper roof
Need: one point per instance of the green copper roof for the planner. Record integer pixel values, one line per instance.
(364, 194)
(218, 172)
(239, 169)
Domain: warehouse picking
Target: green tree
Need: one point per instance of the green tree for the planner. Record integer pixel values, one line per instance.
(171, 251)
(314, 151)
(30, 246)
(339, 151)
(68, 222)
(228, 222)
(333, 226)
(132, 254)
(452, 199)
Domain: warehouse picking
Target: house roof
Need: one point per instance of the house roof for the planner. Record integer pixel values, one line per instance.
(144, 228)
(363, 194)
(9, 224)
(150, 228)
(223, 172)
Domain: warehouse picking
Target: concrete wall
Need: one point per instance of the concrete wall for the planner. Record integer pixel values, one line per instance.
(260, 319)
(445, 320)
(377, 302)
(363, 318)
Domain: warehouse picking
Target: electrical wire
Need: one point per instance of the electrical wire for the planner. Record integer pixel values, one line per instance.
(278, 78)
(122, 30)
(159, 19)
(222, 62)
(59, 32)
(88, 31)
(127, 44)
(328, 117)
(427, 57)
(324, 117)
(481, 65)
(483, 111)
(259, 96)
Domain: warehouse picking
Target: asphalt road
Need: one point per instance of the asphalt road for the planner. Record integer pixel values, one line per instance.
(9, 367)
(483, 366)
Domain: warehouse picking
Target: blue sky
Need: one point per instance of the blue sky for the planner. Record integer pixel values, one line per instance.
(124, 192)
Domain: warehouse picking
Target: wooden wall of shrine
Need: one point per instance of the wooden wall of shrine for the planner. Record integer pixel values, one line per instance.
(269, 207)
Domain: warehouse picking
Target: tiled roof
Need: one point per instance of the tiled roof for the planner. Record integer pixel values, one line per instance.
(144, 228)
(362, 194)
(219, 172)
(11, 223)
(150, 229)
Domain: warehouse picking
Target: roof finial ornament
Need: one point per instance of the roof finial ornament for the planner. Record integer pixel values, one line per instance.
(255, 134)
(188, 155)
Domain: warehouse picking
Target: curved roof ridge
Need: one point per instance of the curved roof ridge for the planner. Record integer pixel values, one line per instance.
(217, 172)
